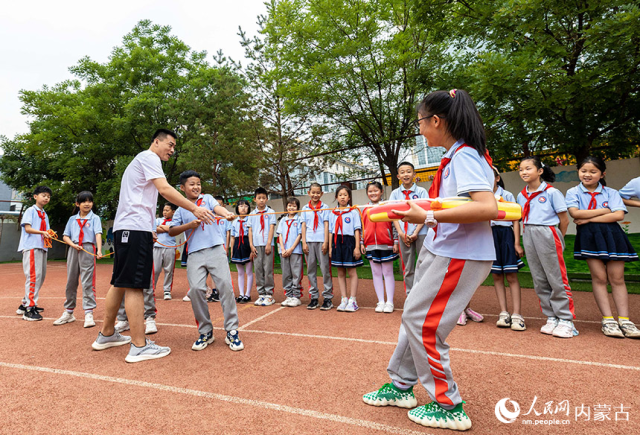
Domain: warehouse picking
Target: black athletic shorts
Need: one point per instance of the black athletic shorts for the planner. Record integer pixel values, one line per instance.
(133, 259)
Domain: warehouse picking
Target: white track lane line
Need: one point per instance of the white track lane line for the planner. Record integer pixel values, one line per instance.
(221, 397)
(393, 343)
(242, 328)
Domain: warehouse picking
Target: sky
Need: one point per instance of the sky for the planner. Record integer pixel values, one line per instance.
(40, 40)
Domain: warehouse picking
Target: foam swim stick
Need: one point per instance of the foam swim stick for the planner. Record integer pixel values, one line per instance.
(507, 211)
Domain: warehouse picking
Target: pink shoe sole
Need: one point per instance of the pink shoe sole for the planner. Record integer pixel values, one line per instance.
(462, 320)
(476, 317)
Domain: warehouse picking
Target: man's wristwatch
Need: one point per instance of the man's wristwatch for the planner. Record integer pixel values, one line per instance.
(430, 221)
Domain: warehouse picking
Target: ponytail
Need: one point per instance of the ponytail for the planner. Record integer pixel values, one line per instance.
(459, 110)
(547, 174)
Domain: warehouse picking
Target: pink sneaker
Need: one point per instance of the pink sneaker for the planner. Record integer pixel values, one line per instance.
(476, 317)
(462, 320)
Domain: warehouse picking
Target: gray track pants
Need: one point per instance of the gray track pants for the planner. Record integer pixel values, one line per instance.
(408, 258)
(263, 266)
(34, 265)
(81, 265)
(212, 261)
(292, 275)
(443, 288)
(164, 259)
(314, 257)
(543, 246)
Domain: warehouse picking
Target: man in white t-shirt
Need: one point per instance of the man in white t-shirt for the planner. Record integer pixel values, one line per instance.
(133, 242)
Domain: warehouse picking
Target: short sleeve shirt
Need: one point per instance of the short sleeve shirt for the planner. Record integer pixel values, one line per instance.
(289, 228)
(138, 195)
(579, 197)
(507, 196)
(261, 230)
(206, 235)
(91, 225)
(235, 227)
(314, 234)
(631, 190)
(32, 241)
(164, 238)
(350, 223)
(544, 208)
(467, 172)
(415, 192)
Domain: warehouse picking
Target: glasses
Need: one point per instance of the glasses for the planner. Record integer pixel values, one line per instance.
(416, 123)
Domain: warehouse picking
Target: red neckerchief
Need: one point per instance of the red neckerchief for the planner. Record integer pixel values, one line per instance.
(241, 231)
(529, 197)
(315, 215)
(43, 222)
(406, 196)
(199, 203)
(593, 203)
(164, 222)
(81, 236)
(289, 223)
(261, 213)
(338, 226)
(434, 190)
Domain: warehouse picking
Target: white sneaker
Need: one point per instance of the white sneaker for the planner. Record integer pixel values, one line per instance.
(150, 326)
(66, 317)
(260, 301)
(286, 302)
(295, 302)
(379, 307)
(88, 320)
(352, 306)
(504, 320)
(167, 296)
(551, 324)
(564, 329)
(343, 304)
(268, 300)
(122, 326)
(388, 307)
(186, 298)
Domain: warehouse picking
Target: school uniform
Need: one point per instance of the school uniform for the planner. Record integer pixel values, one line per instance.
(241, 248)
(80, 265)
(603, 241)
(164, 259)
(343, 225)
(451, 266)
(260, 224)
(378, 239)
(289, 229)
(207, 255)
(543, 245)
(314, 229)
(134, 223)
(408, 254)
(507, 261)
(631, 189)
(34, 253)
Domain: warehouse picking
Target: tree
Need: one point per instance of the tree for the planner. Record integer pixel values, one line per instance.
(359, 66)
(553, 77)
(84, 132)
(284, 136)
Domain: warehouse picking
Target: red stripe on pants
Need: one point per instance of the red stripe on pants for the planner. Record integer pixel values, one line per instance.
(32, 277)
(563, 270)
(432, 322)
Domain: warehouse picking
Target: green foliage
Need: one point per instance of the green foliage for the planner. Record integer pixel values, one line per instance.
(359, 66)
(84, 132)
(551, 77)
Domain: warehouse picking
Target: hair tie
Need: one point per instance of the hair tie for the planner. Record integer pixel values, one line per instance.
(542, 165)
(452, 93)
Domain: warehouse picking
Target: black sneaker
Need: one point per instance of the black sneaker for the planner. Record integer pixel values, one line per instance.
(215, 296)
(246, 299)
(32, 315)
(39, 309)
(21, 310)
(326, 305)
(313, 304)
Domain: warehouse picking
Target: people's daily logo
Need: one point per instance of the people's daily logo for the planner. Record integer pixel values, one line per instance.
(504, 414)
